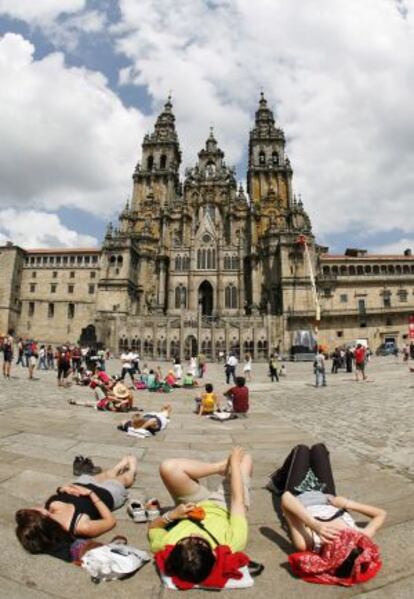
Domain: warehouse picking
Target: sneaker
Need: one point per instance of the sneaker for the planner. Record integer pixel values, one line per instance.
(137, 511)
(88, 467)
(153, 508)
(77, 465)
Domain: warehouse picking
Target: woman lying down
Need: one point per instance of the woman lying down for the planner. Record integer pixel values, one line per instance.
(332, 548)
(147, 425)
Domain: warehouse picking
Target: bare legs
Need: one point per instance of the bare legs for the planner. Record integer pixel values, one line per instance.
(181, 476)
(124, 472)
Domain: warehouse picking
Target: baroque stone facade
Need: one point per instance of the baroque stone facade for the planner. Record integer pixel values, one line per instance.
(203, 265)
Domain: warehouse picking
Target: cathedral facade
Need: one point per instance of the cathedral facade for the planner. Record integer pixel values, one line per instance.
(202, 265)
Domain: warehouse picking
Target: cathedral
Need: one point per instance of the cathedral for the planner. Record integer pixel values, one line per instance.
(201, 265)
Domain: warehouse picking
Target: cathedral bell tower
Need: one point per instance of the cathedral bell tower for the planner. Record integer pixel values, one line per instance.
(269, 170)
(157, 174)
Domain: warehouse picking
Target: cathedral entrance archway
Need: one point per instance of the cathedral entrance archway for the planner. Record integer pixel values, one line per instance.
(190, 347)
(205, 298)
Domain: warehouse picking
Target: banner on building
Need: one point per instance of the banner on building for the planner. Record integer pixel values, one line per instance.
(411, 327)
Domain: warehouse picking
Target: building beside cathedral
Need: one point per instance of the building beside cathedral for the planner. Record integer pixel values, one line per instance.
(201, 264)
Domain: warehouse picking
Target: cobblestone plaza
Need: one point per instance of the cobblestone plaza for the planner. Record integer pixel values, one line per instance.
(367, 426)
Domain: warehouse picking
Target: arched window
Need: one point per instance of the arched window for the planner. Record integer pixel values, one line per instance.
(326, 270)
(227, 263)
(262, 158)
(186, 262)
(275, 158)
(112, 259)
(360, 270)
(120, 260)
(335, 270)
(352, 270)
(148, 347)
(180, 297)
(134, 343)
(230, 296)
(367, 269)
(391, 269)
(150, 163)
(343, 270)
(383, 268)
(398, 269)
(163, 161)
(178, 263)
(406, 269)
(376, 269)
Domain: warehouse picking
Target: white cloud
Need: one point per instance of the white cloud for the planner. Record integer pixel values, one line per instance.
(339, 72)
(67, 140)
(40, 12)
(35, 229)
(397, 247)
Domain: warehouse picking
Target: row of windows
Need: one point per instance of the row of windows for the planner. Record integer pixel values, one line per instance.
(386, 298)
(49, 260)
(230, 297)
(368, 269)
(147, 346)
(206, 259)
(71, 309)
(53, 288)
(92, 274)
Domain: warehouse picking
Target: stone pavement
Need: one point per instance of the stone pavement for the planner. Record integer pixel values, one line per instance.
(367, 426)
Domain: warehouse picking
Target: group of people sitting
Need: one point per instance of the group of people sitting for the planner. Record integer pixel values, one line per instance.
(198, 541)
(110, 393)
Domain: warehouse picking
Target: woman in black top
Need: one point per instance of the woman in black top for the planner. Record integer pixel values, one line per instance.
(80, 509)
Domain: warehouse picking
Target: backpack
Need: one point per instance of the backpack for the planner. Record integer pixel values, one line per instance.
(113, 560)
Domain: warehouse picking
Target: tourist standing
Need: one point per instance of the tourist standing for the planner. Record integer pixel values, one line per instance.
(319, 369)
(336, 361)
(7, 355)
(177, 368)
(63, 365)
(360, 362)
(201, 365)
(50, 357)
(127, 365)
(20, 348)
(192, 366)
(247, 368)
(273, 366)
(349, 358)
(42, 358)
(230, 368)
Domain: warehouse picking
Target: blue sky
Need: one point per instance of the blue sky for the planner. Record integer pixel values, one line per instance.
(93, 77)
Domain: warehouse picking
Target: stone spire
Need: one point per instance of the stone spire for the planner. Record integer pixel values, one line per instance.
(165, 124)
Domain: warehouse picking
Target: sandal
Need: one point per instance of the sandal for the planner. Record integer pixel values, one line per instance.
(137, 511)
(153, 508)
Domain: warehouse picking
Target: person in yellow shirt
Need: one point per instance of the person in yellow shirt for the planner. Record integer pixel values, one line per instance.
(208, 403)
(224, 523)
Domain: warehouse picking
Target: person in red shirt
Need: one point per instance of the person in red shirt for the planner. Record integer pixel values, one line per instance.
(239, 396)
(360, 360)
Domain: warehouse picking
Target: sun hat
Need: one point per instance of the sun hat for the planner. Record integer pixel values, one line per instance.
(120, 391)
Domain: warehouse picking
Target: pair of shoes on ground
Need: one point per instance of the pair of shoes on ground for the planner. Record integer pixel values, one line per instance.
(144, 511)
(83, 465)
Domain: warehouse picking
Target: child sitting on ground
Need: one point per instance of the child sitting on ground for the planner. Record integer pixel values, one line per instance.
(208, 403)
(151, 421)
(189, 381)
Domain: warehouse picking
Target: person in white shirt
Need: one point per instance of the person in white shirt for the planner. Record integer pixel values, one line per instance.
(230, 368)
(127, 365)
